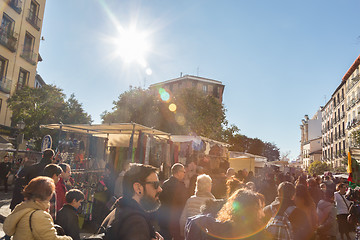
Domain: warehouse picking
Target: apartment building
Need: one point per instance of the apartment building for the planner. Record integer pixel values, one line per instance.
(206, 85)
(310, 142)
(20, 35)
(334, 129)
(352, 83)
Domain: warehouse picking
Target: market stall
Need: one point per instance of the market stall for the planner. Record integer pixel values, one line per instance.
(89, 148)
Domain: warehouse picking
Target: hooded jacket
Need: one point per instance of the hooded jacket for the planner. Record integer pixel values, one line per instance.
(193, 206)
(17, 224)
(327, 218)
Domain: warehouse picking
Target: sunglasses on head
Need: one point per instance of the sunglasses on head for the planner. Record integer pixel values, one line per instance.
(156, 184)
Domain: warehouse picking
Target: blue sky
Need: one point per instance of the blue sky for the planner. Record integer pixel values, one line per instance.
(278, 60)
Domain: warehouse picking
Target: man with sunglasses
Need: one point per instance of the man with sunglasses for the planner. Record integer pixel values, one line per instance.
(130, 219)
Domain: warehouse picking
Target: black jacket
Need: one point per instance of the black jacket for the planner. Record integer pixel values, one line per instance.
(37, 169)
(128, 221)
(173, 199)
(68, 219)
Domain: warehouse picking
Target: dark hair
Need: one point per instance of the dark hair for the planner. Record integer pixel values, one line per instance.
(286, 190)
(340, 185)
(232, 185)
(329, 194)
(39, 187)
(52, 169)
(176, 168)
(302, 193)
(64, 166)
(74, 194)
(48, 153)
(137, 173)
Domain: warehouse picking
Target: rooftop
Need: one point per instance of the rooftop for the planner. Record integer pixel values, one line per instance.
(186, 77)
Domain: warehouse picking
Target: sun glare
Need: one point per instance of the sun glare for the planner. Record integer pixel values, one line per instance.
(132, 46)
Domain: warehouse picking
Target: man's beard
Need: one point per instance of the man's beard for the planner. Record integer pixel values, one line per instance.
(149, 204)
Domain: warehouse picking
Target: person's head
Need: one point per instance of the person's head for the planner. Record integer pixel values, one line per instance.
(233, 184)
(323, 187)
(53, 171)
(311, 182)
(250, 185)
(302, 197)
(141, 183)
(203, 184)
(48, 154)
(6, 158)
(178, 171)
(329, 195)
(74, 197)
(341, 188)
(243, 204)
(65, 175)
(39, 189)
(286, 190)
(230, 172)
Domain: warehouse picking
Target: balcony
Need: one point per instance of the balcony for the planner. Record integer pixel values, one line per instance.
(353, 81)
(5, 85)
(8, 39)
(16, 5)
(29, 56)
(33, 20)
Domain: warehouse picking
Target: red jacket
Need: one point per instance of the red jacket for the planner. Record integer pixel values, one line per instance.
(60, 194)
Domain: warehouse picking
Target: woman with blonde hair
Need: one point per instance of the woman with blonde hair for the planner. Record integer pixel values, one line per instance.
(30, 219)
(194, 203)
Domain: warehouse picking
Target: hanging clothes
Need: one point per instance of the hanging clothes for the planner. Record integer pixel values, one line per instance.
(147, 150)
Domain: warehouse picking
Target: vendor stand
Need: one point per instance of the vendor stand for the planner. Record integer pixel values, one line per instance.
(88, 148)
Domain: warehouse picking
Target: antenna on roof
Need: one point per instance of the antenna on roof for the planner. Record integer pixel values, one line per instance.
(197, 71)
(325, 100)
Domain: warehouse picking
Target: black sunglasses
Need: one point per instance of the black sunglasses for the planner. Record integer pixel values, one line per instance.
(156, 184)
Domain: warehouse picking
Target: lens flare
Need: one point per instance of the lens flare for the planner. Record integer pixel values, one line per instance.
(180, 119)
(172, 107)
(164, 95)
(148, 71)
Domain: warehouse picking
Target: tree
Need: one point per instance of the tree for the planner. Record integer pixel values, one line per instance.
(318, 168)
(46, 105)
(74, 112)
(195, 112)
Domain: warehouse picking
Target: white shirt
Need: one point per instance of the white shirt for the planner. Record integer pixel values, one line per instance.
(341, 207)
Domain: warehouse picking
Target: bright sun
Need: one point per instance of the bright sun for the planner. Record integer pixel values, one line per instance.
(132, 46)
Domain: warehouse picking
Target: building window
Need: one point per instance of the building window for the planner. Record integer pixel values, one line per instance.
(23, 78)
(3, 66)
(216, 91)
(194, 84)
(28, 48)
(205, 88)
(32, 17)
(7, 24)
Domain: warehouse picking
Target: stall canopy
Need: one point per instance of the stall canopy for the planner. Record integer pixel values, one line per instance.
(119, 134)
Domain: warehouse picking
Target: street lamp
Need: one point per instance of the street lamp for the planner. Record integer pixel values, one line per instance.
(19, 137)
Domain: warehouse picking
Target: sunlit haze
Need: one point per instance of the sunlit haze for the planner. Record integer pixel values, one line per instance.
(278, 59)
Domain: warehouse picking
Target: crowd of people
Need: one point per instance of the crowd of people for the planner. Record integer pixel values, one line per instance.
(205, 205)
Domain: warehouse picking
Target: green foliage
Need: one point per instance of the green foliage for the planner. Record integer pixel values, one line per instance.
(196, 112)
(242, 143)
(46, 105)
(318, 168)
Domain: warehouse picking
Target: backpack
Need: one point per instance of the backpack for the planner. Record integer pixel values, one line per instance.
(280, 227)
(196, 227)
